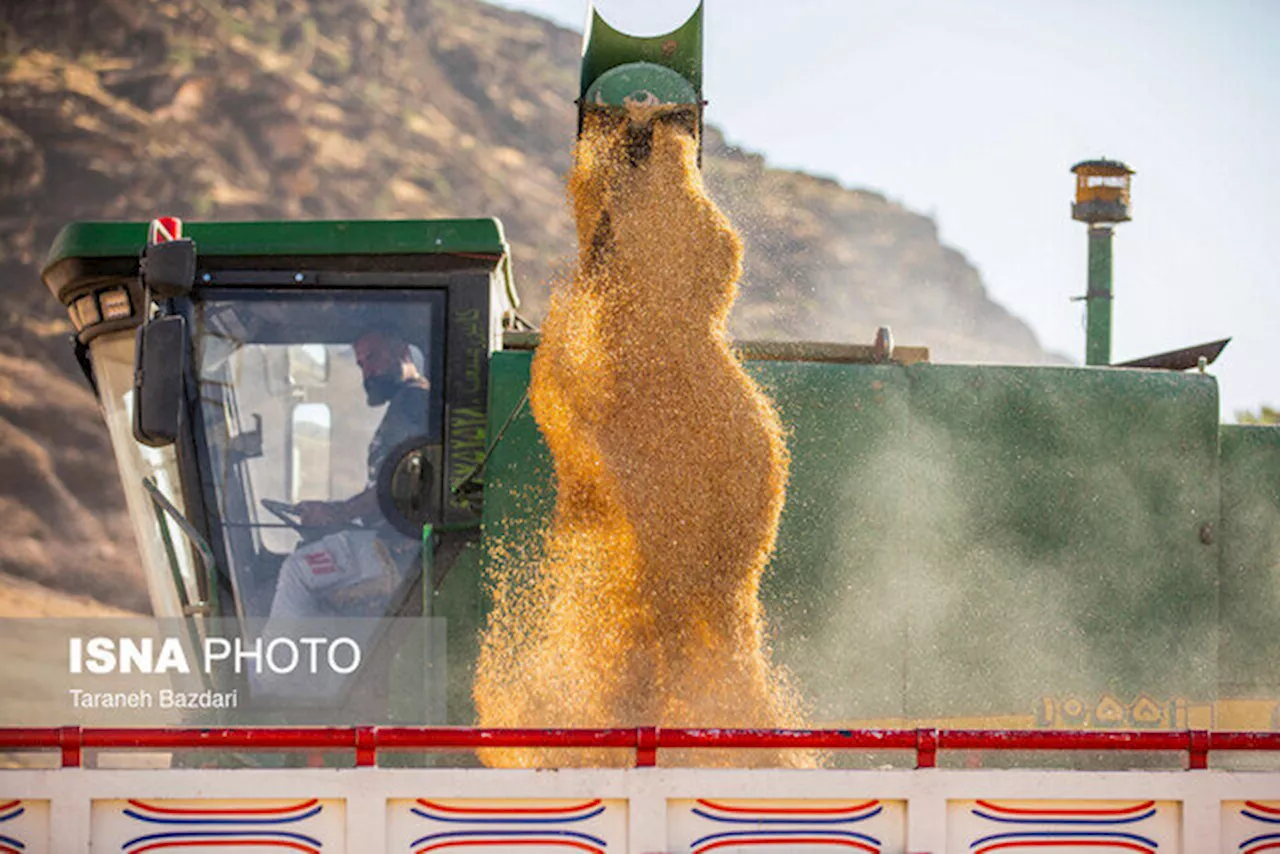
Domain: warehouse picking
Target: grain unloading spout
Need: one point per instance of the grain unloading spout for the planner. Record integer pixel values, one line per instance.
(621, 72)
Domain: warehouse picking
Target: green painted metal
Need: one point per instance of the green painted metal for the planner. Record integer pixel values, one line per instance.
(605, 49)
(1099, 297)
(640, 83)
(1250, 536)
(333, 237)
(89, 252)
(965, 540)
(521, 487)
(1054, 540)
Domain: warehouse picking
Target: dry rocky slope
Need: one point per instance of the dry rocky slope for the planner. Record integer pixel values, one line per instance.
(261, 109)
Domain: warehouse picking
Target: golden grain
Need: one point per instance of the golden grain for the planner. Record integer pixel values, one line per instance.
(670, 472)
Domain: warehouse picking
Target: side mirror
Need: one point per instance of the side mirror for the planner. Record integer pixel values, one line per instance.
(160, 364)
(409, 486)
(168, 269)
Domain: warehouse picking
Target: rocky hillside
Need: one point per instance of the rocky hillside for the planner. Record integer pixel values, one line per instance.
(263, 109)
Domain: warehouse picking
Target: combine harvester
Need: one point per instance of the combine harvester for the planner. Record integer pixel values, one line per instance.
(982, 570)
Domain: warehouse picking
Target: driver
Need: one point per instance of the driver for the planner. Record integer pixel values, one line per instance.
(355, 572)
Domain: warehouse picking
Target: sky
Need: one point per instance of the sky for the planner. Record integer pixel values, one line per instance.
(974, 112)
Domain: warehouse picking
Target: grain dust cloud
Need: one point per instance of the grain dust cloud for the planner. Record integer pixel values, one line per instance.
(670, 468)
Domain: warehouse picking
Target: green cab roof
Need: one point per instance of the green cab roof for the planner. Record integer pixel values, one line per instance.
(81, 240)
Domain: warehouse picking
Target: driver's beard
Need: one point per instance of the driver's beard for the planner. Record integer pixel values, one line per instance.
(380, 389)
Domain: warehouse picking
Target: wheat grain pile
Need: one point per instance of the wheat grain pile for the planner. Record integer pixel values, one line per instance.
(671, 475)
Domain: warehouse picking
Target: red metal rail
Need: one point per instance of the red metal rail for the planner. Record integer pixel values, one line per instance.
(645, 741)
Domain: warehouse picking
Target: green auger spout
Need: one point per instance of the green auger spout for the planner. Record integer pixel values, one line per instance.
(620, 71)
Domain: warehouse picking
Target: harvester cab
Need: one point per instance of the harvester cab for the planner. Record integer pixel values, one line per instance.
(298, 409)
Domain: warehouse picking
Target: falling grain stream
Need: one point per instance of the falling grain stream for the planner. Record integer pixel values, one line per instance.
(671, 474)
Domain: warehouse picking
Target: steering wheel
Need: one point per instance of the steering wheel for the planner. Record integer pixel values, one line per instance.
(287, 513)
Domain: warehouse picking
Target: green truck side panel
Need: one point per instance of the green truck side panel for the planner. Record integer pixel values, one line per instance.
(1250, 536)
(965, 539)
(335, 237)
(827, 610)
(1056, 547)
